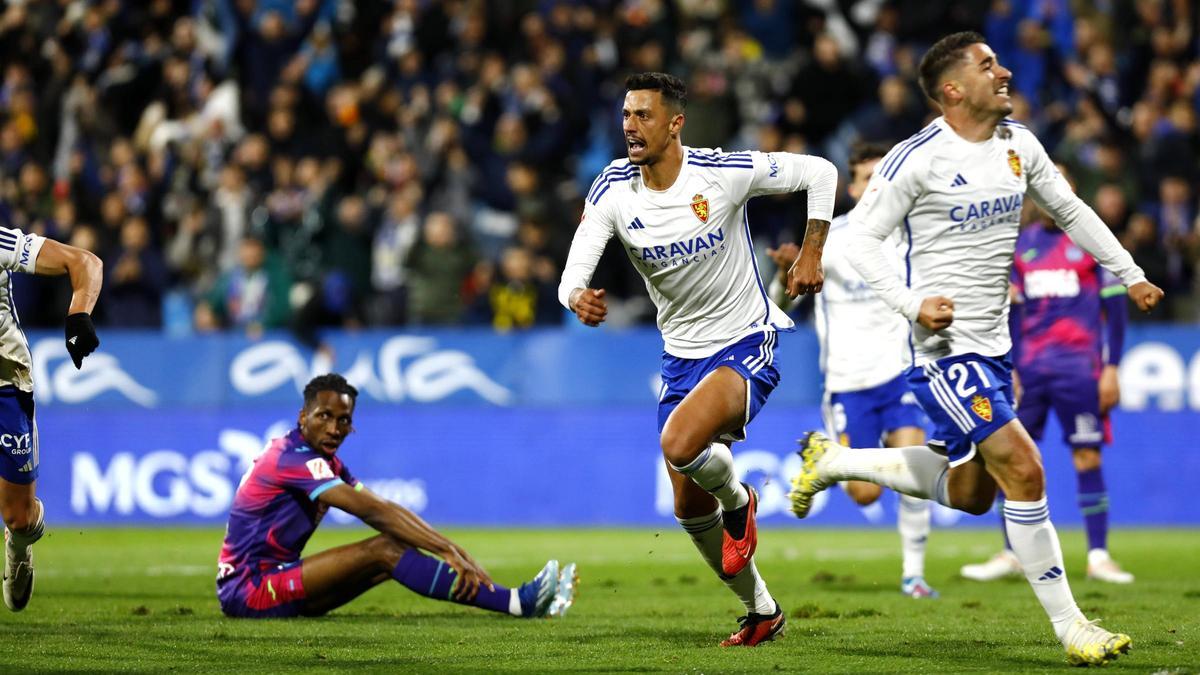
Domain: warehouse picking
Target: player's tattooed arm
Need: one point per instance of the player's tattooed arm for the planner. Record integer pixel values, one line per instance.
(806, 275)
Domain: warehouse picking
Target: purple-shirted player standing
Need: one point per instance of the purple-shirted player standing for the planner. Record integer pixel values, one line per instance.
(280, 503)
(1068, 331)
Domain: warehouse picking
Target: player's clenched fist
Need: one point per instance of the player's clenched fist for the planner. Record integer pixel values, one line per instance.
(81, 337)
(589, 305)
(937, 312)
(806, 275)
(1145, 295)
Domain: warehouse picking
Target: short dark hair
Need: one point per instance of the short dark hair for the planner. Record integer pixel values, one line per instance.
(863, 151)
(328, 382)
(941, 57)
(672, 89)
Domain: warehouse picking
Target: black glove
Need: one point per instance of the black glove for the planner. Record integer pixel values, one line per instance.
(81, 337)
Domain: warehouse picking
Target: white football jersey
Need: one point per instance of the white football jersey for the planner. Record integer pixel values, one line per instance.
(863, 342)
(691, 242)
(18, 253)
(957, 205)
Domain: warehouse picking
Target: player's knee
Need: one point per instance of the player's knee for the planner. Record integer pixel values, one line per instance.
(1025, 479)
(386, 551)
(679, 448)
(17, 514)
(1086, 459)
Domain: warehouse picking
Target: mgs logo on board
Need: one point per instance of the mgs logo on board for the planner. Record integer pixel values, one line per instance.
(700, 207)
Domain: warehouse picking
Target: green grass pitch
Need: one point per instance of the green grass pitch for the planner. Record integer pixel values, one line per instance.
(142, 600)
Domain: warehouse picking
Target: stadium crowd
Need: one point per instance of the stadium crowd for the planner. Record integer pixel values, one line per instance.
(257, 164)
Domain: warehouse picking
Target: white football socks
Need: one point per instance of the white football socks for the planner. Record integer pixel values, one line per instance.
(706, 533)
(913, 523)
(914, 470)
(1035, 543)
(713, 471)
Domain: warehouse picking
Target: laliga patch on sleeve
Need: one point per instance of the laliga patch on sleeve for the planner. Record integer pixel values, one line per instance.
(319, 468)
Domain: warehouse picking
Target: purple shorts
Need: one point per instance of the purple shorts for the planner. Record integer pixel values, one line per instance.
(263, 594)
(1075, 400)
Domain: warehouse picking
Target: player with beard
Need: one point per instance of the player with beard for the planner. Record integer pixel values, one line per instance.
(955, 190)
(680, 215)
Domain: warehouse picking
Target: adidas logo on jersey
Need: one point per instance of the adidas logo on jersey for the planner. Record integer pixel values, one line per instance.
(958, 180)
(635, 225)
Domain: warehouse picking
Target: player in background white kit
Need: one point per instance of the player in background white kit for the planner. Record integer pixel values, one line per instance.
(955, 191)
(867, 400)
(680, 215)
(22, 511)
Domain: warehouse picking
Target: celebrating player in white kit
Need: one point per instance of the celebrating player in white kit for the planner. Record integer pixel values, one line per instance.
(867, 400)
(19, 454)
(956, 190)
(680, 215)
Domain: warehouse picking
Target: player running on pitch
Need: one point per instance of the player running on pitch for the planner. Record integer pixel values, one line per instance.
(24, 515)
(680, 215)
(867, 400)
(956, 190)
(280, 503)
(1067, 363)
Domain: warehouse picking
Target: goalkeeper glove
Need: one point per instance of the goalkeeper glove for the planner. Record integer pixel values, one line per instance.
(81, 337)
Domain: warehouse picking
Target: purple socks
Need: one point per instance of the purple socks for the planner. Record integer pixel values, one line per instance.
(435, 579)
(1093, 502)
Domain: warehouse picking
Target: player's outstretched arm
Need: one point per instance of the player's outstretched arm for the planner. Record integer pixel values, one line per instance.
(589, 305)
(1053, 193)
(87, 274)
(409, 528)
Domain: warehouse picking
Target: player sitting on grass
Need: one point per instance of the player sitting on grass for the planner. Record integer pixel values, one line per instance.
(287, 491)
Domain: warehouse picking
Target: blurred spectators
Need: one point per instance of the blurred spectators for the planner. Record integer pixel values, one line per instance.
(135, 278)
(251, 296)
(439, 265)
(327, 163)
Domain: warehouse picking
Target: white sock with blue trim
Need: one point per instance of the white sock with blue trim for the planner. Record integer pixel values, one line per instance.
(706, 533)
(914, 470)
(1035, 542)
(713, 471)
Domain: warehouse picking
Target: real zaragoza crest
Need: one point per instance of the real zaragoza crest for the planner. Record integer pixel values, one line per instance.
(700, 207)
(1014, 162)
(981, 406)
